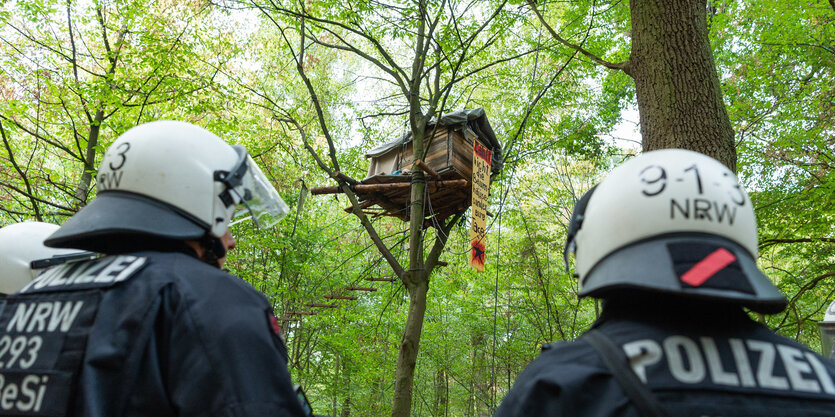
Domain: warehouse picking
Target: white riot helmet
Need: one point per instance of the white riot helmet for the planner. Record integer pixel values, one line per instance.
(23, 254)
(170, 180)
(672, 221)
(827, 332)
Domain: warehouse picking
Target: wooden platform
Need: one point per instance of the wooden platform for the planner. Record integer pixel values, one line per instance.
(444, 197)
(449, 155)
(447, 163)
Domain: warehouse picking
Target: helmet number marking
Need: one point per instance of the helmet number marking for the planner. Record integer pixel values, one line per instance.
(655, 177)
(698, 178)
(122, 149)
(737, 197)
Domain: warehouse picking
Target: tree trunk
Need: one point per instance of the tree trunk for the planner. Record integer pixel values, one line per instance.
(409, 346)
(480, 382)
(334, 387)
(679, 96)
(346, 387)
(416, 280)
(82, 191)
(441, 397)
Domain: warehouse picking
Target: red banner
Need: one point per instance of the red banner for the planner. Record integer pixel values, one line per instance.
(481, 191)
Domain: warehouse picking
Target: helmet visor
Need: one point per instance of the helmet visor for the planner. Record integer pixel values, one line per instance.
(260, 200)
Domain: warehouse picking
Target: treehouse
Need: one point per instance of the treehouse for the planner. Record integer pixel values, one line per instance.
(448, 165)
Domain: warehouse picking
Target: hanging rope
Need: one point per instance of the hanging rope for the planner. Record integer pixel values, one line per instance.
(499, 239)
(496, 310)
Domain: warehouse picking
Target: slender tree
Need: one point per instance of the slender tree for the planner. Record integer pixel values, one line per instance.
(423, 50)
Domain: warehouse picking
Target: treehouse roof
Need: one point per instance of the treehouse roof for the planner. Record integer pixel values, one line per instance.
(475, 119)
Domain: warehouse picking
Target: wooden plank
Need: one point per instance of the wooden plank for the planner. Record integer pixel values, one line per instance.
(373, 188)
(341, 297)
(436, 155)
(301, 313)
(381, 279)
(355, 288)
(364, 205)
(406, 154)
(463, 156)
(427, 169)
(322, 305)
(450, 137)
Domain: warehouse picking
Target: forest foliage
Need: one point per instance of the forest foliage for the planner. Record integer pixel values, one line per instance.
(76, 74)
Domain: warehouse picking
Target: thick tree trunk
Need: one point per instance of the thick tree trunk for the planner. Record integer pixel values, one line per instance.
(679, 96)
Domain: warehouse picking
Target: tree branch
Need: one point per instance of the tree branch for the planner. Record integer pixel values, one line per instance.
(23, 175)
(622, 66)
(32, 196)
(304, 15)
(440, 242)
(771, 242)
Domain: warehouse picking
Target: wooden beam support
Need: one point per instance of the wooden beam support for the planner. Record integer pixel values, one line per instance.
(322, 305)
(341, 297)
(325, 190)
(301, 313)
(352, 288)
(426, 169)
(364, 205)
(371, 188)
(345, 178)
(381, 279)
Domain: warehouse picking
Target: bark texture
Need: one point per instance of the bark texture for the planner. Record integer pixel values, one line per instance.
(408, 352)
(679, 95)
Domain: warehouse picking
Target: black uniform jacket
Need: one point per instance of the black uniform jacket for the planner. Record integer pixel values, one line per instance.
(697, 363)
(142, 334)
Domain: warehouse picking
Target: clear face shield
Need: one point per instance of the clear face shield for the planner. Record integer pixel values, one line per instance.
(250, 187)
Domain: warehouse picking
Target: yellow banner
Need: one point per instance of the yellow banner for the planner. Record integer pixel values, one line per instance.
(481, 190)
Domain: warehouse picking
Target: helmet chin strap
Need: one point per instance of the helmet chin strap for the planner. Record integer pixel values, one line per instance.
(213, 250)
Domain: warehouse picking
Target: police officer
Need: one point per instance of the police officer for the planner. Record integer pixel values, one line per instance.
(23, 255)
(669, 243)
(155, 328)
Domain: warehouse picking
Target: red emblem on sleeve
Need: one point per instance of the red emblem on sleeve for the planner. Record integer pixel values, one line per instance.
(274, 324)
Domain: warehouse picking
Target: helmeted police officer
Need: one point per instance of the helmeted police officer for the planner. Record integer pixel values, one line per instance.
(23, 255)
(668, 241)
(155, 328)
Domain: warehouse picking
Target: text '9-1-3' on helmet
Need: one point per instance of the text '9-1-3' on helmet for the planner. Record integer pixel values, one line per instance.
(23, 254)
(170, 180)
(670, 221)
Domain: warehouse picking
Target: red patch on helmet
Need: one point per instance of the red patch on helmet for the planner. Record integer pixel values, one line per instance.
(708, 267)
